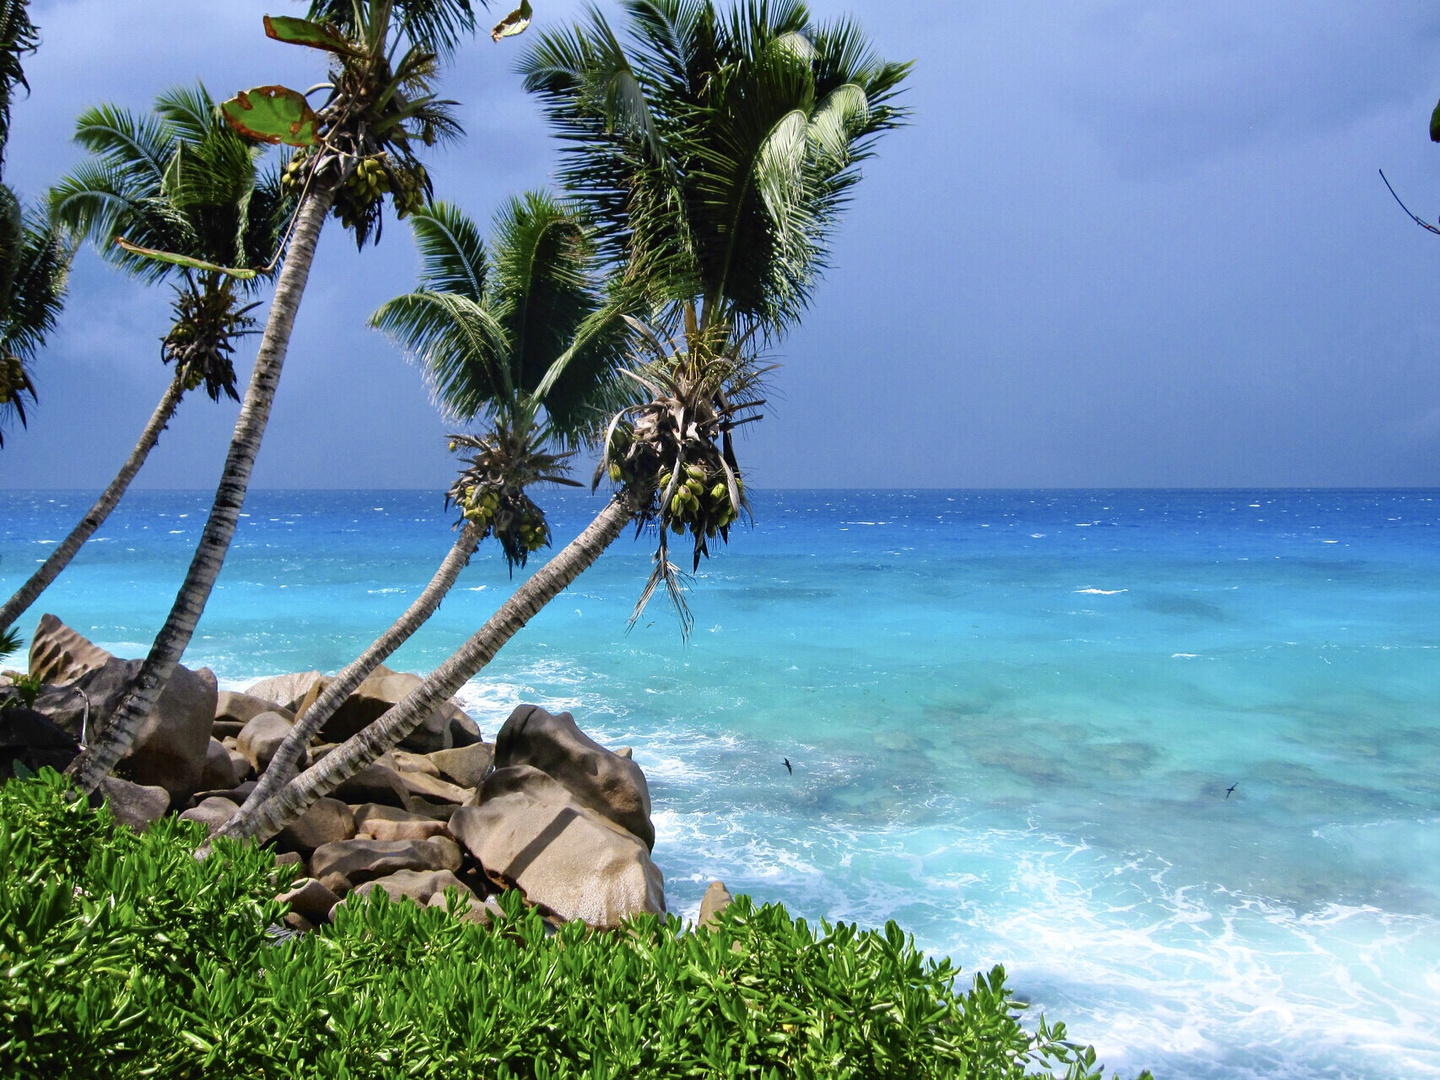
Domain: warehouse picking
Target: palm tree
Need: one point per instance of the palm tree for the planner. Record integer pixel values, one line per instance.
(715, 155)
(34, 264)
(33, 258)
(356, 149)
(183, 181)
(486, 327)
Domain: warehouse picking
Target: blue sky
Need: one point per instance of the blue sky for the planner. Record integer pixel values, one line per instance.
(1122, 243)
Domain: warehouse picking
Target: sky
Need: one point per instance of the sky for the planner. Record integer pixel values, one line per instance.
(1121, 243)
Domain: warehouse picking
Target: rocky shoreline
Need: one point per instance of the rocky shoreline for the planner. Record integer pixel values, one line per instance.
(543, 808)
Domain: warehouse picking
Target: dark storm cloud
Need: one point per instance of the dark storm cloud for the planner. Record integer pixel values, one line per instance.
(1121, 242)
(1169, 85)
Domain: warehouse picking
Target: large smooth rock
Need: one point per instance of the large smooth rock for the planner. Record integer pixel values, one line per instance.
(433, 788)
(236, 708)
(212, 812)
(135, 805)
(169, 750)
(364, 860)
(417, 885)
(328, 821)
(419, 829)
(407, 762)
(375, 783)
(473, 909)
(59, 654)
(716, 899)
(444, 727)
(368, 815)
(530, 831)
(286, 691)
(605, 782)
(219, 771)
(261, 737)
(310, 899)
(464, 766)
(29, 738)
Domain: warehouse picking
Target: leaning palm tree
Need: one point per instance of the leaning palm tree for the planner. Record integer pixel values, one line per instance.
(360, 146)
(715, 154)
(183, 181)
(487, 327)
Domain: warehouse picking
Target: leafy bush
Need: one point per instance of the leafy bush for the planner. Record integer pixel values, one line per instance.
(121, 955)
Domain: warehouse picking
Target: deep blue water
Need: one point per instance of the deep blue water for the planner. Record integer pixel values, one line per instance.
(1013, 718)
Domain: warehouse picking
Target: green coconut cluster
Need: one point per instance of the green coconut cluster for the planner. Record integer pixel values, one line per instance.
(365, 186)
(490, 491)
(701, 503)
(503, 510)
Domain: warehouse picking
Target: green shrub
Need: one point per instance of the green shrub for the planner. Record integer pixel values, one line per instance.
(124, 956)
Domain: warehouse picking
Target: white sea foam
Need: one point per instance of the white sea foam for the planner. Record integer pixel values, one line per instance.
(1102, 592)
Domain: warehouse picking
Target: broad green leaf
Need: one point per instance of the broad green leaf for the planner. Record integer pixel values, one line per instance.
(315, 35)
(514, 23)
(274, 114)
(184, 260)
(1435, 124)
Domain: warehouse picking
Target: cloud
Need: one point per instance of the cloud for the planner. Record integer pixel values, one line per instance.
(1168, 85)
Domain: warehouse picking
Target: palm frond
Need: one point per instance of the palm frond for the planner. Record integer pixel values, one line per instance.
(132, 144)
(452, 252)
(37, 291)
(459, 345)
(438, 25)
(189, 110)
(18, 36)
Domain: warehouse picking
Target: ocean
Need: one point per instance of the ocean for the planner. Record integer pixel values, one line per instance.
(1170, 757)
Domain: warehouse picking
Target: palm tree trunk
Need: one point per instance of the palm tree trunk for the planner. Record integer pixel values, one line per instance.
(60, 558)
(309, 723)
(112, 741)
(363, 748)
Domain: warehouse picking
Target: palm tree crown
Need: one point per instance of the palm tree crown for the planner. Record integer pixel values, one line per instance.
(18, 36)
(179, 181)
(715, 153)
(496, 333)
(34, 260)
(381, 104)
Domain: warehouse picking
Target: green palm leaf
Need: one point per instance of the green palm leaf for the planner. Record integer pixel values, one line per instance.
(18, 36)
(459, 345)
(436, 25)
(34, 295)
(714, 152)
(489, 325)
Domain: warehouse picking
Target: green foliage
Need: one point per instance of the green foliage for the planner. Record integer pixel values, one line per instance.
(107, 937)
(273, 114)
(27, 688)
(124, 956)
(18, 36)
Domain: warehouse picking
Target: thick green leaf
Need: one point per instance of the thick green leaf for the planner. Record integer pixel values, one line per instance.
(273, 114)
(184, 260)
(315, 35)
(514, 23)
(1435, 124)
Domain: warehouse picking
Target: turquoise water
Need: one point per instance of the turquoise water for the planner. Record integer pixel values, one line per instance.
(1013, 719)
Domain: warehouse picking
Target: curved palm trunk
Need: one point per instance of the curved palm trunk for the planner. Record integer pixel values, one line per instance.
(60, 558)
(363, 748)
(309, 723)
(112, 741)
